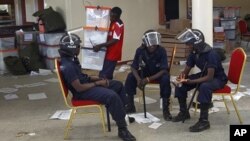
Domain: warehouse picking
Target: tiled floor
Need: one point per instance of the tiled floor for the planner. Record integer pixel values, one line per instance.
(28, 120)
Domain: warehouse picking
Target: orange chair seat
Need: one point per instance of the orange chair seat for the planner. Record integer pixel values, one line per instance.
(83, 102)
(225, 90)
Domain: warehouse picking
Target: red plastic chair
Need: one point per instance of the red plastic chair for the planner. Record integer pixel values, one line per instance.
(244, 33)
(76, 105)
(235, 72)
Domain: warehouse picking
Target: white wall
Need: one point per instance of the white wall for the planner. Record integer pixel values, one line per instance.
(138, 16)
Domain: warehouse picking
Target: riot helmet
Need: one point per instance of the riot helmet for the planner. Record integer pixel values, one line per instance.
(192, 37)
(69, 45)
(151, 37)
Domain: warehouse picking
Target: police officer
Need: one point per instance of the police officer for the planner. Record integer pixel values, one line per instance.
(109, 92)
(150, 64)
(211, 77)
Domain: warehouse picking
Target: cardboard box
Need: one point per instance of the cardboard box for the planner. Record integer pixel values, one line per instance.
(177, 25)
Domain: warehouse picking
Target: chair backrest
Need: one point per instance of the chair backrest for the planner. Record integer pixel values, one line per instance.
(237, 65)
(242, 27)
(64, 89)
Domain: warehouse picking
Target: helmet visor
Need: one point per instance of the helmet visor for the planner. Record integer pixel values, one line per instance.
(151, 38)
(186, 35)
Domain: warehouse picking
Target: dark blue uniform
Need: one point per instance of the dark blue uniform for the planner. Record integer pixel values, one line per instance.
(113, 97)
(150, 65)
(212, 60)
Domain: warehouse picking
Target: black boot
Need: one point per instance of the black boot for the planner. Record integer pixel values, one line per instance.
(130, 107)
(123, 132)
(183, 114)
(203, 122)
(165, 107)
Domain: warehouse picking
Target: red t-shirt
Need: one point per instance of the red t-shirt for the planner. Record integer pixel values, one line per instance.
(116, 31)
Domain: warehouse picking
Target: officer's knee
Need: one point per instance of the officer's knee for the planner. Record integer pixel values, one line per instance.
(204, 86)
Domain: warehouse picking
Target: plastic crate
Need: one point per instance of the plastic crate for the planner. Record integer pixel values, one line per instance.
(49, 51)
(49, 38)
(97, 16)
(7, 43)
(93, 36)
(26, 37)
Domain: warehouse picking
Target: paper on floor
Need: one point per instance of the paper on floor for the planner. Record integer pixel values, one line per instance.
(61, 114)
(52, 80)
(155, 125)
(147, 99)
(211, 110)
(10, 96)
(37, 96)
(8, 90)
(247, 92)
(31, 85)
(139, 118)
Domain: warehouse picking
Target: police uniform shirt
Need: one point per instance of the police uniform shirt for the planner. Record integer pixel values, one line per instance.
(71, 70)
(150, 63)
(213, 61)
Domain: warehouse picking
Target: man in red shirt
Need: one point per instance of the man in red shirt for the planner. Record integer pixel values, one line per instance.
(113, 44)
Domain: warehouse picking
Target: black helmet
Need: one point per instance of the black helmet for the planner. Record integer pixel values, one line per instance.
(192, 37)
(69, 45)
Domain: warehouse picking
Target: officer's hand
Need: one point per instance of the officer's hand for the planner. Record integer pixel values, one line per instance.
(144, 81)
(181, 79)
(96, 48)
(103, 82)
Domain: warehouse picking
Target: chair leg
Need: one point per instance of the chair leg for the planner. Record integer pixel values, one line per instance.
(225, 104)
(108, 121)
(236, 109)
(66, 130)
(102, 118)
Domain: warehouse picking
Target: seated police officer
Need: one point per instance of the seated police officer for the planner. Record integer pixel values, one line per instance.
(150, 64)
(211, 77)
(109, 92)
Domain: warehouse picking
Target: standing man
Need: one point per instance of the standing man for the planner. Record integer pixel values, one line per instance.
(113, 44)
(109, 92)
(211, 77)
(150, 64)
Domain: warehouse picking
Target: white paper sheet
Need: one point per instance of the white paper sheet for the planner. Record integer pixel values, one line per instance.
(8, 90)
(55, 80)
(61, 114)
(147, 99)
(28, 37)
(155, 125)
(139, 118)
(247, 92)
(31, 85)
(37, 96)
(10, 96)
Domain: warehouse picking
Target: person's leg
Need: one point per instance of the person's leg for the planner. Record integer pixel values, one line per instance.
(115, 106)
(108, 69)
(130, 88)
(205, 96)
(165, 92)
(181, 94)
(118, 87)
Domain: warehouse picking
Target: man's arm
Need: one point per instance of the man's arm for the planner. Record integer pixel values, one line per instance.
(157, 75)
(86, 86)
(107, 44)
(208, 77)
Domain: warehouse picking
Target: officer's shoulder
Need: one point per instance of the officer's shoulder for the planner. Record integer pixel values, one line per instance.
(161, 49)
